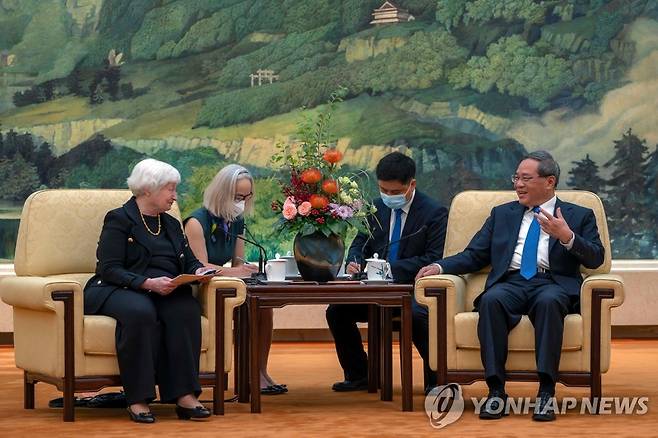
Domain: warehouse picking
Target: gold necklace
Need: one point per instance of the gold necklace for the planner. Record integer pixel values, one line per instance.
(147, 227)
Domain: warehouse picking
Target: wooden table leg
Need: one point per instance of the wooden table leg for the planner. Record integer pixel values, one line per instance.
(387, 355)
(373, 347)
(243, 357)
(405, 353)
(254, 374)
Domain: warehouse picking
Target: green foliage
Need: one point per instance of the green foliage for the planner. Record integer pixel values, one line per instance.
(451, 12)
(214, 31)
(356, 14)
(309, 14)
(168, 23)
(13, 27)
(607, 25)
(262, 224)
(625, 195)
(44, 38)
(278, 55)
(118, 22)
(19, 178)
(110, 171)
(420, 9)
(418, 64)
(187, 161)
(585, 176)
(192, 197)
(481, 11)
(424, 60)
(514, 68)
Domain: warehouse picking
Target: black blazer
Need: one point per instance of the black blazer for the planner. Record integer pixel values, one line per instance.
(123, 254)
(415, 251)
(495, 242)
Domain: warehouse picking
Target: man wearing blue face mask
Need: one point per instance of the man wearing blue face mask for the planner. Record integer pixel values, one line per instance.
(408, 230)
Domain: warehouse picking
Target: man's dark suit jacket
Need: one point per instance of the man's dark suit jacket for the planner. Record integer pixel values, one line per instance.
(123, 254)
(414, 252)
(495, 242)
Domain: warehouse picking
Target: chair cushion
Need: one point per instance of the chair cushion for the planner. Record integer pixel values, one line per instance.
(522, 337)
(99, 335)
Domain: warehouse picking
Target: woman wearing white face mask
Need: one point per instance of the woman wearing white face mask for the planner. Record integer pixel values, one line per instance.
(212, 232)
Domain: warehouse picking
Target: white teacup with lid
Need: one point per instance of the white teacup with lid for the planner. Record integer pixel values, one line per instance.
(378, 269)
(275, 269)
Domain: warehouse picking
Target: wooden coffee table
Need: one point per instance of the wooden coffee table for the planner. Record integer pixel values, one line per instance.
(386, 296)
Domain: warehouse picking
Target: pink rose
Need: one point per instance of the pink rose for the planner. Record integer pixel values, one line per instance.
(289, 211)
(305, 208)
(289, 200)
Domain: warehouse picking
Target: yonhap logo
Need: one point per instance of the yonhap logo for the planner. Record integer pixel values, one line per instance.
(444, 405)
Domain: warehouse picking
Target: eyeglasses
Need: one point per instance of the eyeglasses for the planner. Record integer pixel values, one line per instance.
(239, 197)
(525, 178)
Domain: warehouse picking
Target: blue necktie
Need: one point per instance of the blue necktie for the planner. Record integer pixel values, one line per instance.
(395, 237)
(529, 256)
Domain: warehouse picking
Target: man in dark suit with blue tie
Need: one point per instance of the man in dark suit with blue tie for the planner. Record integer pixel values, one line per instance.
(408, 230)
(535, 247)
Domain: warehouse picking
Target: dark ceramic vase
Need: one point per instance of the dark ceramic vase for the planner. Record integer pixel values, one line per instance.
(318, 257)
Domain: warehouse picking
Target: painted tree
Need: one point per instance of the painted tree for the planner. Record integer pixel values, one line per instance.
(585, 176)
(651, 193)
(626, 197)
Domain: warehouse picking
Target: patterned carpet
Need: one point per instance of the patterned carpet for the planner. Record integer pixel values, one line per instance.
(312, 409)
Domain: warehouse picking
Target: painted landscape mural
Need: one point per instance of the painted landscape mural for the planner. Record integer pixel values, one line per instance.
(465, 87)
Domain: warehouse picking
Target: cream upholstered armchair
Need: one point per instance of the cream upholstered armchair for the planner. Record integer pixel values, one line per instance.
(54, 341)
(454, 348)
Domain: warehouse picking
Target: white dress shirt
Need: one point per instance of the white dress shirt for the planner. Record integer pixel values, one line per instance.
(542, 249)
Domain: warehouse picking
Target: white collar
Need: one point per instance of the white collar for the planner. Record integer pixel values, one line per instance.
(549, 205)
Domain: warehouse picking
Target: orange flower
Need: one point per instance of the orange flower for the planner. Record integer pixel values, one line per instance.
(311, 176)
(319, 201)
(330, 186)
(332, 155)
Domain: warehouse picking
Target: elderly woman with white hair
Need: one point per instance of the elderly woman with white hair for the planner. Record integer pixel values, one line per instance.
(158, 333)
(215, 231)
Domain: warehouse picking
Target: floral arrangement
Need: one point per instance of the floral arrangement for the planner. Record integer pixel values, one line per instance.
(316, 197)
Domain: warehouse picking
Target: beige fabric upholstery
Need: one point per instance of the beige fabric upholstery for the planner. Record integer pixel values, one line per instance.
(56, 251)
(468, 212)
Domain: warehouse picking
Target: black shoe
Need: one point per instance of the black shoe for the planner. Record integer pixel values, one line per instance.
(189, 413)
(273, 390)
(142, 417)
(494, 407)
(283, 388)
(351, 385)
(545, 407)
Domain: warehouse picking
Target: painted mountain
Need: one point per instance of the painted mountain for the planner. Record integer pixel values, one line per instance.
(89, 87)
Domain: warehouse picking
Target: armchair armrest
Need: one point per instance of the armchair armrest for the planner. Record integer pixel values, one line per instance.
(602, 281)
(444, 296)
(598, 294)
(47, 334)
(218, 298)
(35, 293)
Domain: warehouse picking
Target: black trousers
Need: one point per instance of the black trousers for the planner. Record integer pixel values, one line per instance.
(342, 319)
(158, 341)
(501, 308)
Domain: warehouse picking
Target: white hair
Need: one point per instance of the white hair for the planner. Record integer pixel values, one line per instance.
(218, 196)
(150, 175)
